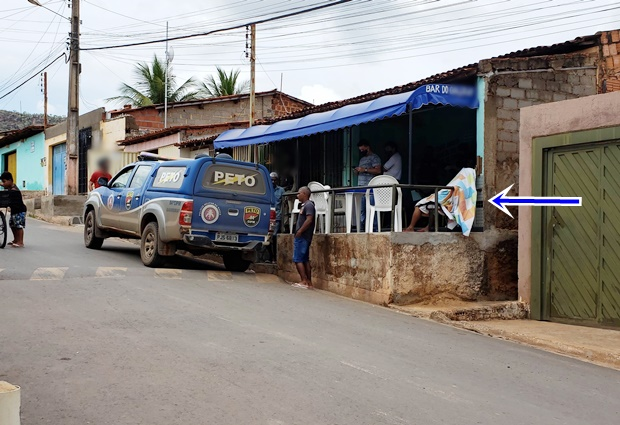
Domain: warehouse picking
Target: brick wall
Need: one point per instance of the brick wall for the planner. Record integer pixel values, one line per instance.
(147, 118)
(237, 110)
(610, 62)
(516, 83)
(282, 105)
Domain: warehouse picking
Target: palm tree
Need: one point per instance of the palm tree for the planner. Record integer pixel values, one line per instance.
(223, 85)
(150, 86)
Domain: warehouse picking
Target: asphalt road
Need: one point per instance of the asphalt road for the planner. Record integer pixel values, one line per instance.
(96, 338)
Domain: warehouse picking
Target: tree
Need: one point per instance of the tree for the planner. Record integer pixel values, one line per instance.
(223, 84)
(150, 86)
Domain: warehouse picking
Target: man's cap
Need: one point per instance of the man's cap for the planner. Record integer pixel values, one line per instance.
(274, 175)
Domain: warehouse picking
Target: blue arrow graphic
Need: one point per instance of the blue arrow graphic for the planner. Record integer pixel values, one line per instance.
(501, 200)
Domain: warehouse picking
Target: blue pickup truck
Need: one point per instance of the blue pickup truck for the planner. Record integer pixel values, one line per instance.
(202, 205)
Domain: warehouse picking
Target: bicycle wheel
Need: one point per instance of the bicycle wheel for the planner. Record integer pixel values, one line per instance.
(3, 230)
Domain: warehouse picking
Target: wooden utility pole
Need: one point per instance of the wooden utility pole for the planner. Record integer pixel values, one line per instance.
(73, 113)
(45, 100)
(252, 73)
(253, 82)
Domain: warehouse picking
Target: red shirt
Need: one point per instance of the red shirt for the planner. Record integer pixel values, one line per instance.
(97, 175)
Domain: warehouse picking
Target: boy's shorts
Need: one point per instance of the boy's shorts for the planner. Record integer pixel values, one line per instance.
(301, 251)
(18, 221)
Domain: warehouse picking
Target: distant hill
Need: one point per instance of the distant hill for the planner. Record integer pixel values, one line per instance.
(11, 120)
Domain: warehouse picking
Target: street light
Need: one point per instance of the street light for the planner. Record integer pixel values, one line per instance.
(36, 3)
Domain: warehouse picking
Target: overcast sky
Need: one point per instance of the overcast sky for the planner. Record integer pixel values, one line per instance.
(332, 54)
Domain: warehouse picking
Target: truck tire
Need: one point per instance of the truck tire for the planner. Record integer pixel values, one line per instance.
(234, 263)
(149, 246)
(91, 241)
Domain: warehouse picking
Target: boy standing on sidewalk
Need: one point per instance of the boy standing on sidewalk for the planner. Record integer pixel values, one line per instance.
(17, 222)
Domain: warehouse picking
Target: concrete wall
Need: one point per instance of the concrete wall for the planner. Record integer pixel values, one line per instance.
(518, 83)
(545, 120)
(62, 206)
(216, 112)
(30, 169)
(112, 131)
(404, 268)
(170, 151)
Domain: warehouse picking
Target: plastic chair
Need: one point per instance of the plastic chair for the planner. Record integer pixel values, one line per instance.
(321, 205)
(383, 203)
(296, 210)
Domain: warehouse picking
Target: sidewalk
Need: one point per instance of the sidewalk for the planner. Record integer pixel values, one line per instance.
(598, 346)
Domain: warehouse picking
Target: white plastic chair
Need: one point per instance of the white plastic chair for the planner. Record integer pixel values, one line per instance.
(383, 203)
(296, 210)
(321, 205)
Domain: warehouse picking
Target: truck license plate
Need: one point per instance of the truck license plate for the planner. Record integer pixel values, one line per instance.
(226, 237)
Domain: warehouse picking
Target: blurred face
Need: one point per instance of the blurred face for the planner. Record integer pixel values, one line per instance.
(7, 184)
(302, 196)
(363, 150)
(274, 181)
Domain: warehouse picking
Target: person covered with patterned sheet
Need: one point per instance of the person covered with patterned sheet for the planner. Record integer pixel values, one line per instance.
(458, 204)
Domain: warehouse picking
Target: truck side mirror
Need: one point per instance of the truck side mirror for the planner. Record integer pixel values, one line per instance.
(102, 181)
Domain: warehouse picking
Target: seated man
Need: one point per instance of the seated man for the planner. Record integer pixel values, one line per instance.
(458, 204)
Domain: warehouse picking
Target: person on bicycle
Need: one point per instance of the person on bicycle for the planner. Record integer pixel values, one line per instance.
(17, 222)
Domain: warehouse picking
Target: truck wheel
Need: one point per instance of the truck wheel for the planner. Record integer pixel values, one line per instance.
(148, 246)
(90, 226)
(234, 263)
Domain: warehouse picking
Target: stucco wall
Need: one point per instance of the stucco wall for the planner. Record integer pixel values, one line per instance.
(587, 113)
(112, 131)
(29, 152)
(404, 268)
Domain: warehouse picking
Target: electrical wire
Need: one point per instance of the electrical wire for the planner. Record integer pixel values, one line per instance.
(183, 37)
(35, 75)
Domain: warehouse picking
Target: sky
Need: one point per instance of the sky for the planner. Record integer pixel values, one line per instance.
(335, 53)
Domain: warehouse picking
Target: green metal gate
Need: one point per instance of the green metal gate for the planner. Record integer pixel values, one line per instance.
(581, 276)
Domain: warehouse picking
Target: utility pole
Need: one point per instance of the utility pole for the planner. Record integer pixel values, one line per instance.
(73, 113)
(253, 82)
(166, 83)
(45, 100)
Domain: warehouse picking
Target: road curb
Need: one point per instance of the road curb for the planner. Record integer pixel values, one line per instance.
(587, 354)
(475, 322)
(60, 220)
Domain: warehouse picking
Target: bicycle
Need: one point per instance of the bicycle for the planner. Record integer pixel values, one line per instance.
(4, 205)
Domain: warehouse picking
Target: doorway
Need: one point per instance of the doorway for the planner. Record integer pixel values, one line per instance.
(59, 154)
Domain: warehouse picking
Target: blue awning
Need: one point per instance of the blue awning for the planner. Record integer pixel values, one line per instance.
(350, 115)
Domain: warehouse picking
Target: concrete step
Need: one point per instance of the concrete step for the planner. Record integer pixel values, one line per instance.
(467, 311)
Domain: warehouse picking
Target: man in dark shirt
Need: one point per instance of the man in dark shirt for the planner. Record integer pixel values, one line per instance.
(17, 222)
(303, 238)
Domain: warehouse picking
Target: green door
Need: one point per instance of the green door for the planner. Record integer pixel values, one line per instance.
(582, 243)
(610, 235)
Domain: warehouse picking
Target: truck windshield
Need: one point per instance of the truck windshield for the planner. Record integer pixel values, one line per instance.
(236, 179)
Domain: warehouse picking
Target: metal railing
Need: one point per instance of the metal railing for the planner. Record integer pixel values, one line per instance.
(363, 189)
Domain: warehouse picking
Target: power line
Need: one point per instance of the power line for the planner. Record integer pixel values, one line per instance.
(261, 21)
(35, 75)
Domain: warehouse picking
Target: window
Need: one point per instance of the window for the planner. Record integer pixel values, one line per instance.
(169, 177)
(235, 179)
(139, 178)
(121, 179)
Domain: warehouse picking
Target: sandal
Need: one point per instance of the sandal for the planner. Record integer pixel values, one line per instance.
(14, 245)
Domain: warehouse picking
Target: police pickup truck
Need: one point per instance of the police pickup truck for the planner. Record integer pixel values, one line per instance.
(202, 205)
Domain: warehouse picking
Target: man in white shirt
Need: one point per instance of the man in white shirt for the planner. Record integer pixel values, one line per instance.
(394, 165)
